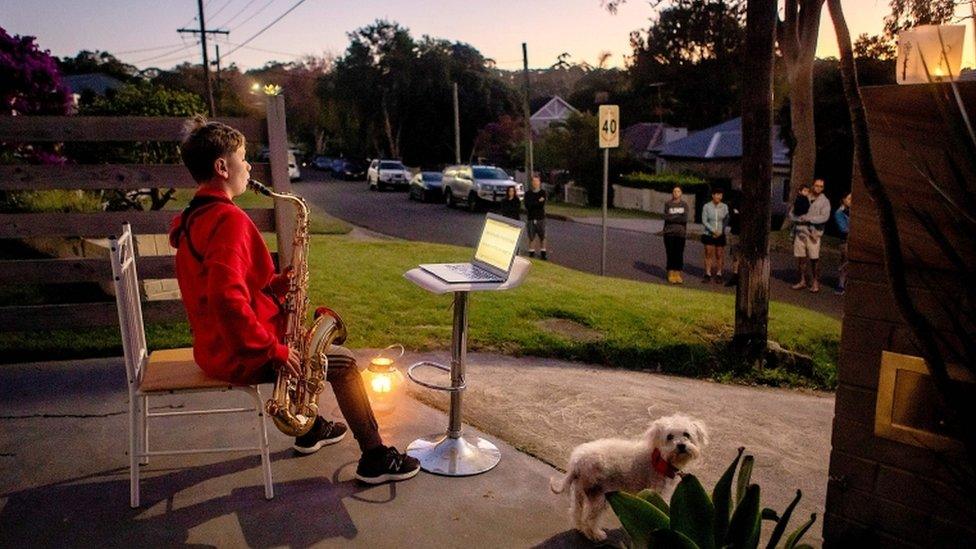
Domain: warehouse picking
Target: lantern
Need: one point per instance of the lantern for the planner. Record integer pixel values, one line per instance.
(383, 381)
(930, 53)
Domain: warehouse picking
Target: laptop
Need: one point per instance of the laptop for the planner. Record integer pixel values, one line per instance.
(493, 257)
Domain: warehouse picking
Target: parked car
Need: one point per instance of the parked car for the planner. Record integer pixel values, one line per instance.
(384, 173)
(350, 170)
(477, 186)
(426, 186)
(321, 162)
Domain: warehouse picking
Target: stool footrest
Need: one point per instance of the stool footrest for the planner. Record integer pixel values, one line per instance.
(435, 365)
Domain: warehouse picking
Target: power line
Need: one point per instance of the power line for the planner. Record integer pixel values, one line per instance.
(266, 27)
(236, 15)
(253, 15)
(167, 53)
(154, 48)
(214, 14)
(296, 55)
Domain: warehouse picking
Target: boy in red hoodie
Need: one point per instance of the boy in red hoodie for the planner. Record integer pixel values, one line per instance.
(231, 294)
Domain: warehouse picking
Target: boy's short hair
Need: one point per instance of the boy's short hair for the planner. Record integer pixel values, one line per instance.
(204, 143)
(718, 190)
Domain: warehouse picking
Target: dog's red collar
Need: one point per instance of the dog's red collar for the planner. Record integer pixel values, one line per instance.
(662, 466)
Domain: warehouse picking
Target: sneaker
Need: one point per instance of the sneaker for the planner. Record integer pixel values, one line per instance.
(706, 279)
(531, 253)
(677, 277)
(385, 464)
(718, 279)
(545, 256)
(323, 433)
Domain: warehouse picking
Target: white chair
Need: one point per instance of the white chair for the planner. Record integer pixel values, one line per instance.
(166, 372)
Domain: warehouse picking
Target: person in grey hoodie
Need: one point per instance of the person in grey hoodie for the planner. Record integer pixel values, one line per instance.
(715, 217)
(809, 231)
(675, 227)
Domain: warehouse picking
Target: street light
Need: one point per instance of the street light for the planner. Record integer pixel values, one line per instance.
(930, 53)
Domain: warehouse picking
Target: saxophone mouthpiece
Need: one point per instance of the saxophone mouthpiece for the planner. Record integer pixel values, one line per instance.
(258, 187)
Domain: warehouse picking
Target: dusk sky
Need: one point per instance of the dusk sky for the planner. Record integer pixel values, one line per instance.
(144, 33)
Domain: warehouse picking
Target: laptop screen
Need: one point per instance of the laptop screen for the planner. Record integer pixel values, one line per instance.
(498, 243)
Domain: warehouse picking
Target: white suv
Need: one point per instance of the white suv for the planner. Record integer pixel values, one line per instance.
(476, 185)
(387, 173)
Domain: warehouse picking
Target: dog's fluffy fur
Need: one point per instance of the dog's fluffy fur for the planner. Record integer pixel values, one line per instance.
(609, 465)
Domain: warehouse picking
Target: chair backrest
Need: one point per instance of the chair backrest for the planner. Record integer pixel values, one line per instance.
(129, 304)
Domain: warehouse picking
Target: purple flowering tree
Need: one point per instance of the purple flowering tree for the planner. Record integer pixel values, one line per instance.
(29, 79)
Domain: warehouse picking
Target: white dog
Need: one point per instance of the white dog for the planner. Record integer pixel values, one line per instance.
(654, 461)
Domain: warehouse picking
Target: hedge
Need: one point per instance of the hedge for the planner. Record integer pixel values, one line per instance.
(663, 182)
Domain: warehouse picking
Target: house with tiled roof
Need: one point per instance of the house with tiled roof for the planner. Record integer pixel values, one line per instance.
(716, 154)
(646, 139)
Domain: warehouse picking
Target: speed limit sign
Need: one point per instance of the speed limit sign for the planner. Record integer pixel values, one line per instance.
(609, 126)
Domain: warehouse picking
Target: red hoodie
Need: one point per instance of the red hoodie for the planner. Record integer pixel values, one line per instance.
(236, 322)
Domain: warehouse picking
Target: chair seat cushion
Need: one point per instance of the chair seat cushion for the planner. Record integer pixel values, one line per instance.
(175, 370)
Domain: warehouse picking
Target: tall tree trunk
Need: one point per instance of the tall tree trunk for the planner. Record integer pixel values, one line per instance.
(923, 333)
(798, 33)
(393, 143)
(804, 157)
(752, 293)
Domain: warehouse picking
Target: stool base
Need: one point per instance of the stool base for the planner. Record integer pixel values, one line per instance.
(454, 457)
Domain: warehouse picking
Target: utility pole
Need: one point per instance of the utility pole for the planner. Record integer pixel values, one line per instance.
(528, 125)
(206, 62)
(216, 63)
(457, 127)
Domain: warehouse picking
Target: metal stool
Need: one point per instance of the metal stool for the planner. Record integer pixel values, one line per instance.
(452, 454)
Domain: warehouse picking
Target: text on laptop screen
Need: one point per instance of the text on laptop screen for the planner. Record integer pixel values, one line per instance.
(498, 243)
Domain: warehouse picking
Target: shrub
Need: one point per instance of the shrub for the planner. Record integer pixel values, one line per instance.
(696, 520)
(663, 182)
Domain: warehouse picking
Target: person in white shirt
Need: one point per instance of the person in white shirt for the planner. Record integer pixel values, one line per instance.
(809, 231)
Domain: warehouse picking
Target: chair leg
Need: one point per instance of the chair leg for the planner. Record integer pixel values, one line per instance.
(145, 430)
(134, 413)
(263, 443)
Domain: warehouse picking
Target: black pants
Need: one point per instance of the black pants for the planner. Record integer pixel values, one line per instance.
(674, 247)
(350, 393)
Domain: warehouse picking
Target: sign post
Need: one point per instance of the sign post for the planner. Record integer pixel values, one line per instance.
(609, 131)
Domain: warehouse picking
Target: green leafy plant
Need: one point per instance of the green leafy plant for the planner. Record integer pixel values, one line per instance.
(663, 182)
(696, 520)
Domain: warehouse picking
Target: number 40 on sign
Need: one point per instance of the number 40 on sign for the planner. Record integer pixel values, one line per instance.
(609, 126)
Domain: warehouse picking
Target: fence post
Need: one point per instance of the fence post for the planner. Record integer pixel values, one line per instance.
(278, 157)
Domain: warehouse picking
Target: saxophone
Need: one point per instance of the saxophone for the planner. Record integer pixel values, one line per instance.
(294, 404)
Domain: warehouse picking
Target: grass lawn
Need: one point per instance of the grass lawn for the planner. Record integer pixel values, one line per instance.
(319, 221)
(643, 326)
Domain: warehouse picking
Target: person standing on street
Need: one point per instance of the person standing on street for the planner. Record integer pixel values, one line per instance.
(535, 207)
(843, 219)
(809, 230)
(735, 228)
(675, 228)
(511, 206)
(715, 217)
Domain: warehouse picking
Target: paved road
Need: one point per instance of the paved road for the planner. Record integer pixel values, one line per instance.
(630, 254)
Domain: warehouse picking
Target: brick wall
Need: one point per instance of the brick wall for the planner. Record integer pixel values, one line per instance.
(880, 491)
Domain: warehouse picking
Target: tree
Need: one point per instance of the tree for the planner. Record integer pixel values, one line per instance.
(692, 48)
(797, 38)
(137, 99)
(391, 95)
(752, 291)
(875, 47)
(299, 81)
(910, 13)
(30, 82)
(97, 61)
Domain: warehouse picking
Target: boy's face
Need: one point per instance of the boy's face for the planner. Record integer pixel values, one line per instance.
(716, 197)
(805, 191)
(235, 171)
(676, 193)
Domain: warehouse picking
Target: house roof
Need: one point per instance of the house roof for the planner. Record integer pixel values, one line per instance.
(723, 141)
(644, 136)
(555, 109)
(96, 82)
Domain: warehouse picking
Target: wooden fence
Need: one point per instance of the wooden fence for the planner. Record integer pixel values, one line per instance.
(48, 129)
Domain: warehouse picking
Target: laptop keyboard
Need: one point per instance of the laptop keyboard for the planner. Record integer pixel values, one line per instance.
(472, 272)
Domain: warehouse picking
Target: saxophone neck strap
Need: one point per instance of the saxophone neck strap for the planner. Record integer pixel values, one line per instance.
(197, 204)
